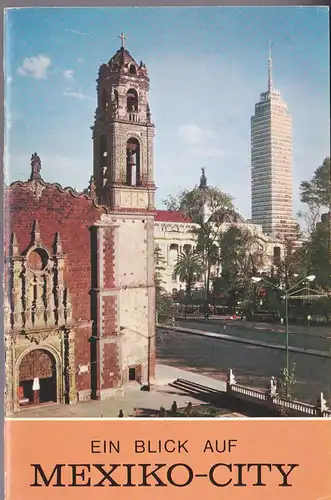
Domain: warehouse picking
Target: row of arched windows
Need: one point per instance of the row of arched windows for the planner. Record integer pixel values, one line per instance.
(131, 100)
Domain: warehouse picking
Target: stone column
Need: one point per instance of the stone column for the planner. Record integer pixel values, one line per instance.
(7, 312)
(9, 376)
(49, 299)
(168, 255)
(151, 302)
(60, 290)
(17, 294)
(69, 365)
(72, 368)
(40, 306)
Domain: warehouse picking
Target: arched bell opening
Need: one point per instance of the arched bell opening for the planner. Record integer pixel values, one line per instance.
(133, 174)
(103, 159)
(104, 100)
(132, 69)
(131, 100)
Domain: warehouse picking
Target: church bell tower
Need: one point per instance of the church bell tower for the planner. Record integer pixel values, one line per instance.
(123, 135)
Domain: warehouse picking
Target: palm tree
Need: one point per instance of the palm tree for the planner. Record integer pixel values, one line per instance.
(187, 268)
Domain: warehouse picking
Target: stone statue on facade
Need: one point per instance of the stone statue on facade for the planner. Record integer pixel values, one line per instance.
(35, 167)
(92, 187)
(203, 179)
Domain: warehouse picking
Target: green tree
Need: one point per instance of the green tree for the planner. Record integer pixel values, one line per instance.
(207, 207)
(317, 191)
(188, 268)
(164, 307)
(290, 267)
(241, 258)
(190, 203)
(316, 194)
(286, 388)
(319, 253)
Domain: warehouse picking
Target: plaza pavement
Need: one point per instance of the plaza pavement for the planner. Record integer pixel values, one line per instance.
(147, 402)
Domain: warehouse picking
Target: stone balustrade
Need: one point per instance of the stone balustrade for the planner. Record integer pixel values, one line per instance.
(271, 398)
(247, 391)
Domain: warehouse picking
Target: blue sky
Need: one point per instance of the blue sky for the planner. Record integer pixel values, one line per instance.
(207, 67)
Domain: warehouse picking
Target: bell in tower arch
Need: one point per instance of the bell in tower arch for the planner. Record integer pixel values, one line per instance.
(133, 163)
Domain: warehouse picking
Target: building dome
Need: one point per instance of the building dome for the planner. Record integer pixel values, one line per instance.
(123, 62)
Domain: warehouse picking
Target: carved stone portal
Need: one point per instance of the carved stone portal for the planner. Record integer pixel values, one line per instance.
(50, 359)
(37, 296)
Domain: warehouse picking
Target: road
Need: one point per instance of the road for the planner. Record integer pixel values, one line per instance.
(252, 365)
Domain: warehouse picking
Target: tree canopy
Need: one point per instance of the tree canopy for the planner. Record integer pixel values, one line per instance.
(188, 269)
(190, 203)
(220, 209)
(317, 191)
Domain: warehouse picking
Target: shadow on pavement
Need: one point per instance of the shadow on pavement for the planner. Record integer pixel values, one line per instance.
(223, 401)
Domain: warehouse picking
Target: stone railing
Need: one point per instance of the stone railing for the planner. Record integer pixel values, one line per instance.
(312, 411)
(247, 391)
(133, 116)
(272, 399)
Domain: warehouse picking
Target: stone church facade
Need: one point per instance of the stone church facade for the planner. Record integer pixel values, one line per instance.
(79, 271)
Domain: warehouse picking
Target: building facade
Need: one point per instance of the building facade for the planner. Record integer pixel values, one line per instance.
(174, 234)
(79, 274)
(271, 162)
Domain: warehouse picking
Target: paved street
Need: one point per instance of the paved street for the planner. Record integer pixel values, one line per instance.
(252, 365)
(206, 361)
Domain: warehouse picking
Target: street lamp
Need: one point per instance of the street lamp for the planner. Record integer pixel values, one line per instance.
(287, 294)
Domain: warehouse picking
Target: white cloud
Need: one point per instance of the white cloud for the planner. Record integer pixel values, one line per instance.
(35, 67)
(76, 95)
(80, 60)
(194, 134)
(68, 75)
(79, 32)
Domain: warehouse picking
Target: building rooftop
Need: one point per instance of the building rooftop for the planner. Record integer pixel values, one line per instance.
(171, 216)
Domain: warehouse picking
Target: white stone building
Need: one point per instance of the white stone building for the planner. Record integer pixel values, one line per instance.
(173, 234)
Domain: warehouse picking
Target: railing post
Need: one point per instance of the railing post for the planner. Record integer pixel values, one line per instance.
(322, 407)
(272, 389)
(231, 380)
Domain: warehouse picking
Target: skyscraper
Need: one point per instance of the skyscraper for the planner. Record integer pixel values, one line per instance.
(271, 161)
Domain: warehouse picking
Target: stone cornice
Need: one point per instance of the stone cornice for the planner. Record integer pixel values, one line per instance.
(41, 184)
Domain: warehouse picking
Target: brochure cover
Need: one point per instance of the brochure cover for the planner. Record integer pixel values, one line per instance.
(167, 295)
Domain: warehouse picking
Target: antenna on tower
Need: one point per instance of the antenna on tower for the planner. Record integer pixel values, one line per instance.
(270, 82)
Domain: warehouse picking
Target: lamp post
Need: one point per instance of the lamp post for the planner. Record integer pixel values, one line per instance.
(287, 294)
(254, 303)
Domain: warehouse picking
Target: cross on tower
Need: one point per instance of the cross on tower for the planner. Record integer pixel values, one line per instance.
(122, 37)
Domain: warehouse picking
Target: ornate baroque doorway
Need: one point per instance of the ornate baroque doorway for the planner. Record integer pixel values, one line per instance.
(37, 378)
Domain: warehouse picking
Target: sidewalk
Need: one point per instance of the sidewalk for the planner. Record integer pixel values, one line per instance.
(271, 327)
(162, 395)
